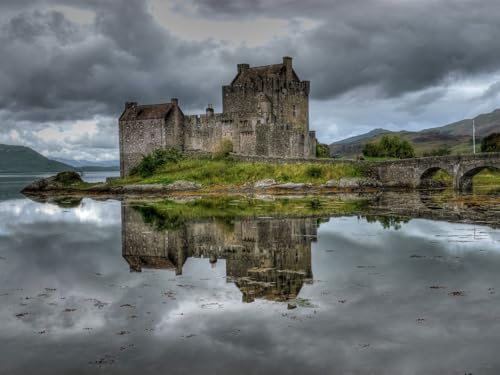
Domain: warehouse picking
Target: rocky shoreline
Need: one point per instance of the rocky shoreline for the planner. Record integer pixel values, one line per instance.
(70, 183)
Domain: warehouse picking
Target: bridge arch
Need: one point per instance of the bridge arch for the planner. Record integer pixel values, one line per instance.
(426, 177)
(465, 183)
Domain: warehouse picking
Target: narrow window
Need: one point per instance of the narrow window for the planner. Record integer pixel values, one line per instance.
(294, 110)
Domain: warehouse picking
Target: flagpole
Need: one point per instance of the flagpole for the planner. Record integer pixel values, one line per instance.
(474, 134)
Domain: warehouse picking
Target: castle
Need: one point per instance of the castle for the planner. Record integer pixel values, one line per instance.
(265, 112)
(266, 258)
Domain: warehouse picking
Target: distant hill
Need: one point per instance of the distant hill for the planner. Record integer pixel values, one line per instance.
(21, 159)
(82, 163)
(457, 136)
(362, 137)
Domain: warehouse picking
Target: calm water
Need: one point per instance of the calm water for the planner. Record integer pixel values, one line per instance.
(96, 289)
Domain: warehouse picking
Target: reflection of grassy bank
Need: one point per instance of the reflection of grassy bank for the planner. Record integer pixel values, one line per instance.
(170, 214)
(485, 182)
(226, 172)
(442, 178)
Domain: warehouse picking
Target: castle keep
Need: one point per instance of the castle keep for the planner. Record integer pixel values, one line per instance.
(265, 112)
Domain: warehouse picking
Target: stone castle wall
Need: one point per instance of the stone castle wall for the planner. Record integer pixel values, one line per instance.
(265, 113)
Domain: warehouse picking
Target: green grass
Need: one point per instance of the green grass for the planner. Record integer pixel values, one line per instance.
(487, 182)
(210, 173)
(443, 178)
(170, 214)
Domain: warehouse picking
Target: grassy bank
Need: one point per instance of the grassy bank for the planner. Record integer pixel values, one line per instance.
(226, 172)
(487, 182)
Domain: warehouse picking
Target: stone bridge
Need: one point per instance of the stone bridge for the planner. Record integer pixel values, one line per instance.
(415, 173)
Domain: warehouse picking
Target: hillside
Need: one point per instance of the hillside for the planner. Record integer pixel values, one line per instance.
(21, 159)
(457, 136)
(104, 165)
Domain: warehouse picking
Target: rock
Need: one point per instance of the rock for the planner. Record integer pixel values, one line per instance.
(182, 185)
(369, 182)
(145, 188)
(157, 188)
(293, 186)
(62, 180)
(352, 183)
(101, 188)
(349, 182)
(291, 306)
(331, 183)
(262, 184)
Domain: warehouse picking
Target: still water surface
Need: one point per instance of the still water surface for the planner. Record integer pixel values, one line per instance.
(96, 289)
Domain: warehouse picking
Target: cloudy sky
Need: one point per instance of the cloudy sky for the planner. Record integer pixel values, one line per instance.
(67, 66)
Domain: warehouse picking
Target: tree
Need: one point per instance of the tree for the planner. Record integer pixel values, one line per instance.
(322, 150)
(441, 151)
(390, 146)
(491, 143)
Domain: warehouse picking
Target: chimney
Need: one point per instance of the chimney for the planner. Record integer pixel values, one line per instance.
(243, 67)
(174, 101)
(209, 110)
(287, 63)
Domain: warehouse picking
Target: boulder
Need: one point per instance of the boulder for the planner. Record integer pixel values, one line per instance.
(182, 185)
(291, 305)
(157, 188)
(263, 184)
(145, 188)
(293, 186)
(353, 183)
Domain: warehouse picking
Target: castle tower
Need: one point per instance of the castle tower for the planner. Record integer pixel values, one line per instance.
(276, 87)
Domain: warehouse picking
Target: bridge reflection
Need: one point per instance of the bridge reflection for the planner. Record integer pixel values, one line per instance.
(266, 258)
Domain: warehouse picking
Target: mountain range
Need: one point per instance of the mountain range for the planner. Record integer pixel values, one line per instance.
(22, 159)
(456, 136)
(87, 163)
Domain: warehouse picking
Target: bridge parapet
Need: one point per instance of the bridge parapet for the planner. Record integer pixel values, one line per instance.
(409, 173)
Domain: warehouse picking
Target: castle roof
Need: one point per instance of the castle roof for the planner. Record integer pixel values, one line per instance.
(146, 112)
(260, 73)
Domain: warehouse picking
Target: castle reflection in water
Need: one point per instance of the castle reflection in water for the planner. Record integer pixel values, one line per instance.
(266, 258)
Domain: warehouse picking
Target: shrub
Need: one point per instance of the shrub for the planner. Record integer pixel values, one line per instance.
(314, 171)
(491, 143)
(441, 151)
(322, 150)
(223, 150)
(68, 178)
(147, 166)
(390, 146)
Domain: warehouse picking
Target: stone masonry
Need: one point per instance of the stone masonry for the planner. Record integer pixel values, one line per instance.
(265, 112)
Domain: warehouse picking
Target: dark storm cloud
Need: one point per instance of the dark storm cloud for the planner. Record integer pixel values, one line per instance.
(399, 57)
(55, 69)
(397, 47)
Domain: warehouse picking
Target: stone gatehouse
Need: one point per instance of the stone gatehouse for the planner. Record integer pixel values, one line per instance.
(265, 112)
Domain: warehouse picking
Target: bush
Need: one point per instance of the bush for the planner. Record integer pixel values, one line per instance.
(322, 150)
(149, 163)
(68, 178)
(223, 150)
(390, 146)
(491, 143)
(314, 171)
(441, 151)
